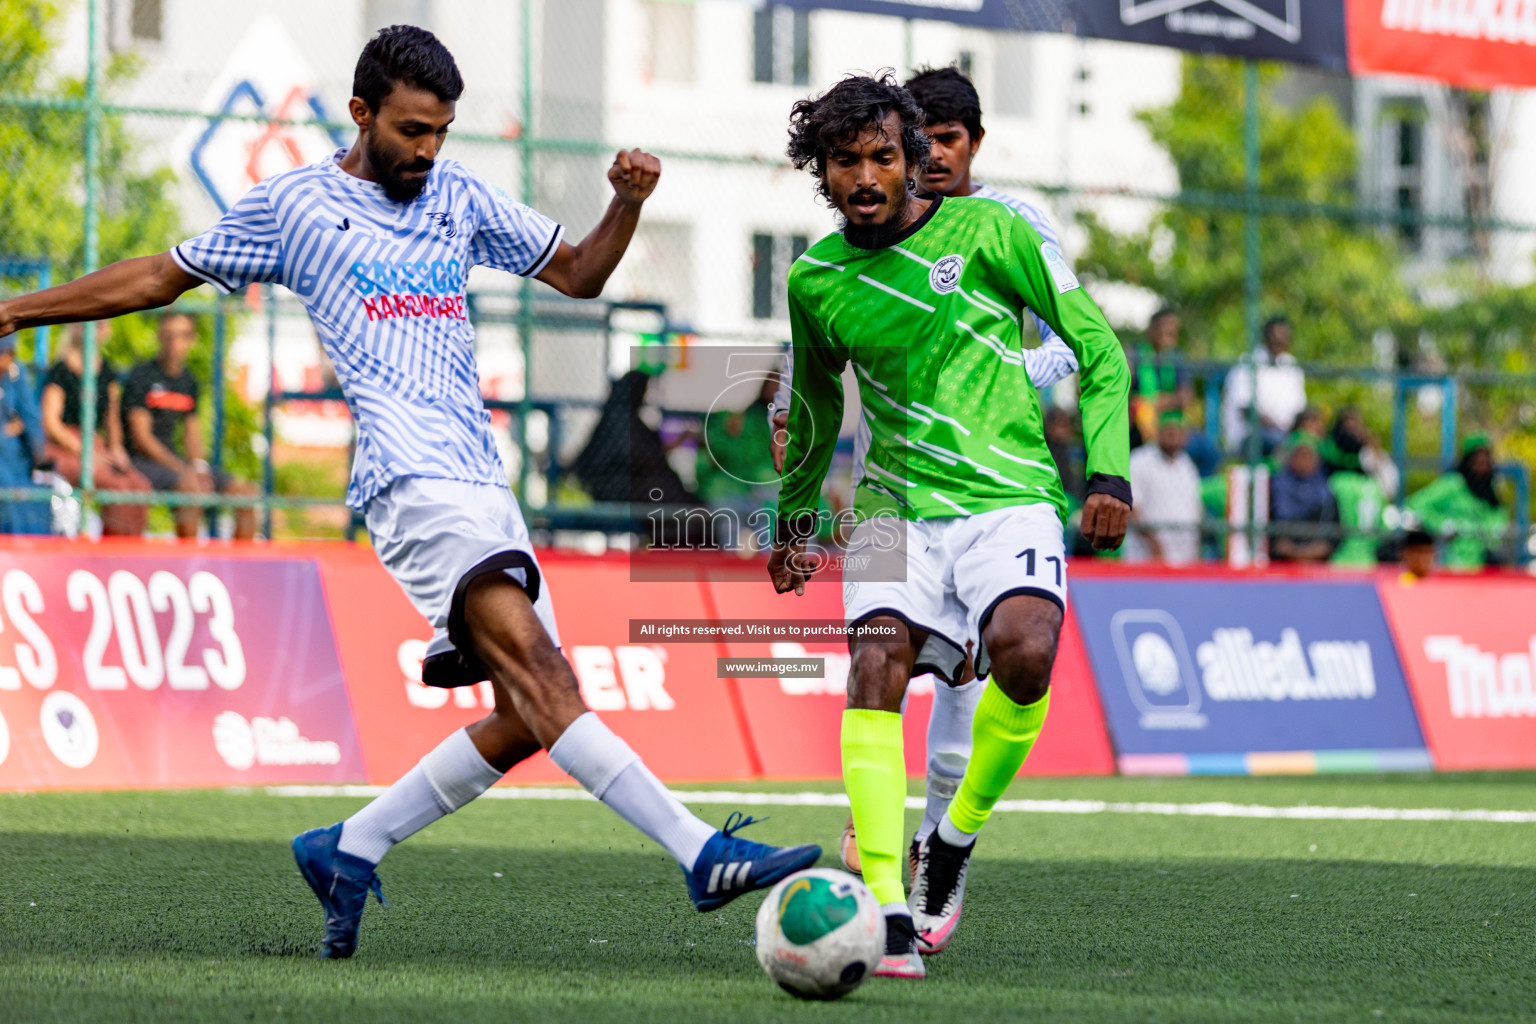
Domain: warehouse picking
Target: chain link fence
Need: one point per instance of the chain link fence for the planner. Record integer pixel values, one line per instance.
(1389, 222)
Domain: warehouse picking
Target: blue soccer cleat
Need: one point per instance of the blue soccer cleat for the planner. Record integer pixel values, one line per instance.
(341, 881)
(728, 867)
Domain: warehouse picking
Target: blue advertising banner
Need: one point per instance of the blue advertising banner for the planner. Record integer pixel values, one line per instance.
(1247, 677)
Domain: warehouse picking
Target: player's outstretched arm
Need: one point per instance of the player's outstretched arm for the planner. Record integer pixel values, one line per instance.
(582, 270)
(126, 286)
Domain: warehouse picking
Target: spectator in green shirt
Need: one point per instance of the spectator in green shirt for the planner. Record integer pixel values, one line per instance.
(735, 467)
(1463, 508)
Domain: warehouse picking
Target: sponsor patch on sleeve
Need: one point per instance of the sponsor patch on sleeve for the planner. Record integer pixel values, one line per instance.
(1061, 272)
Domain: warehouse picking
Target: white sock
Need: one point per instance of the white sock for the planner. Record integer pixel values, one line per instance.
(952, 835)
(949, 747)
(589, 752)
(446, 779)
(895, 910)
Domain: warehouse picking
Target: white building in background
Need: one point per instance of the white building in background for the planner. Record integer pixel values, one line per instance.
(1429, 150)
(709, 85)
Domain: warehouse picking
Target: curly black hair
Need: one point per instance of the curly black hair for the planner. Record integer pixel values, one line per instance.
(857, 104)
(405, 53)
(945, 95)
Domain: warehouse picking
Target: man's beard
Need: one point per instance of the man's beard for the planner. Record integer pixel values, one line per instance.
(397, 188)
(877, 236)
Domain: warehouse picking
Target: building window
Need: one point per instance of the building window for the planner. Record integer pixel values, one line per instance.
(781, 45)
(1403, 137)
(668, 41)
(771, 257)
(144, 20)
(132, 23)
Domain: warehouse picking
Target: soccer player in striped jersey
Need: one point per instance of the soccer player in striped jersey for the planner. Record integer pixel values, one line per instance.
(960, 542)
(377, 241)
(952, 119)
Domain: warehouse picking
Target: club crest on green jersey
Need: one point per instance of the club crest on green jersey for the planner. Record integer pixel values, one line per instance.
(945, 275)
(1061, 273)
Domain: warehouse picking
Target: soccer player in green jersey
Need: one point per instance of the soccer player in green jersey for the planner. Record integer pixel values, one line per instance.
(960, 540)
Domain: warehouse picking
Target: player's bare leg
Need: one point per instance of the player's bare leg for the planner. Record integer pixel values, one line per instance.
(339, 862)
(1020, 639)
(512, 644)
(875, 775)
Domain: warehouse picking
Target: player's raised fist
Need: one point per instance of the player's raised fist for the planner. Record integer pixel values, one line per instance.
(1104, 522)
(634, 175)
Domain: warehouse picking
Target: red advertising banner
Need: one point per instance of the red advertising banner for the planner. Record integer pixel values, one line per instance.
(794, 724)
(128, 667)
(663, 698)
(1468, 646)
(1479, 44)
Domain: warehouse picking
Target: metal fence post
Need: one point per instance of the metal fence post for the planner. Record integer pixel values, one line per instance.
(42, 338)
(268, 472)
(1251, 286)
(1449, 395)
(525, 289)
(89, 255)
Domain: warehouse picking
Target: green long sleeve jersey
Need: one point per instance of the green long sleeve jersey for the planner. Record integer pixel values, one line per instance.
(931, 325)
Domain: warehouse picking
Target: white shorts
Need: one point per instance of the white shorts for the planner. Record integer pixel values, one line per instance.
(945, 576)
(435, 537)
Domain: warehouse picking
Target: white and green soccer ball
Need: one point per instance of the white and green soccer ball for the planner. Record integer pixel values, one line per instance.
(820, 933)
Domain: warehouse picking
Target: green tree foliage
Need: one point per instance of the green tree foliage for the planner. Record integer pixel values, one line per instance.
(42, 195)
(1337, 280)
(42, 166)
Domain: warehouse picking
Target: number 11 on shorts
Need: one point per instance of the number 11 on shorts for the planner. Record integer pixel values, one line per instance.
(1028, 554)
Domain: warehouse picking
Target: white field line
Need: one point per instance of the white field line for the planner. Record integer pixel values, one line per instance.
(1206, 810)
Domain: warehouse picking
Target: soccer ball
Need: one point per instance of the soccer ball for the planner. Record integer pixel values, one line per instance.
(820, 933)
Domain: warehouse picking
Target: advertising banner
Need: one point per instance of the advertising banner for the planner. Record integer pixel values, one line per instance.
(793, 724)
(1469, 647)
(1300, 31)
(1019, 15)
(663, 698)
(1477, 44)
(143, 670)
(1237, 676)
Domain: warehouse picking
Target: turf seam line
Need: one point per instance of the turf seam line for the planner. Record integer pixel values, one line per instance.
(806, 799)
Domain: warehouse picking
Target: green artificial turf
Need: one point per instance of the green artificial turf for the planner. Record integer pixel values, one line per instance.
(185, 906)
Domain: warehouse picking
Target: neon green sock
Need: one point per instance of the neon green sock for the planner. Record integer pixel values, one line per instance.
(875, 775)
(1002, 734)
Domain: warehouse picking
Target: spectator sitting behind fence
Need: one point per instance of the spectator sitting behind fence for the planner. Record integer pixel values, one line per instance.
(1463, 508)
(61, 409)
(1350, 447)
(1165, 522)
(1281, 392)
(21, 444)
(1065, 445)
(625, 461)
(1160, 381)
(735, 467)
(159, 396)
(1301, 505)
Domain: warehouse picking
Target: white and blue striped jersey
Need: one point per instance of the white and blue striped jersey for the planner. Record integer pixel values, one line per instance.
(384, 285)
(1052, 361)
